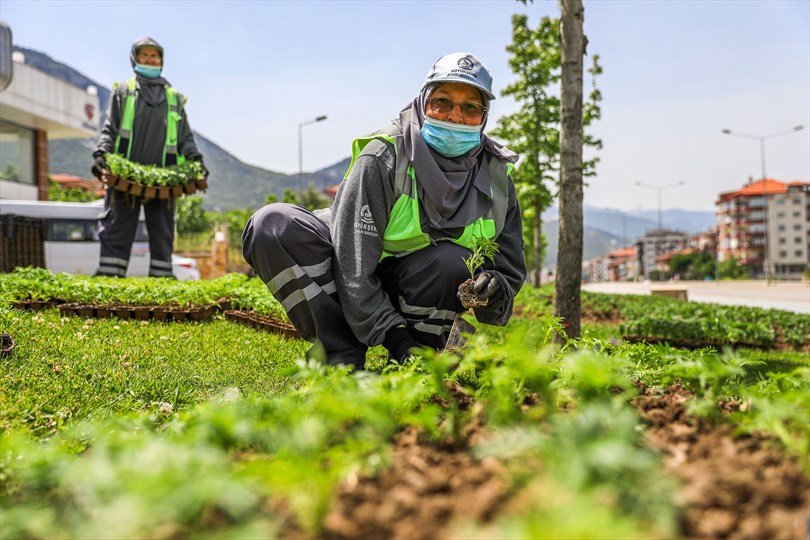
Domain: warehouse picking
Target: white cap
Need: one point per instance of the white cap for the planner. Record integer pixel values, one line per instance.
(461, 67)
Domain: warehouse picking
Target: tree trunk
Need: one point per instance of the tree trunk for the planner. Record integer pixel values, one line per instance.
(567, 302)
(537, 271)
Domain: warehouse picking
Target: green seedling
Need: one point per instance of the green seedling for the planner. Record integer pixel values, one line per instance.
(151, 175)
(483, 248)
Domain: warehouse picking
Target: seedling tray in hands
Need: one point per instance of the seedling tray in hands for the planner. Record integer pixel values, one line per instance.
(153, 192)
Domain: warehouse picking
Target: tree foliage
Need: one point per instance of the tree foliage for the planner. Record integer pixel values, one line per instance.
(534, 130)
(191, 218)
(731, 268)
(697, 265)
(313, 199)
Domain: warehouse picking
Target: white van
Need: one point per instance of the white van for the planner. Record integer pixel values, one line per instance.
(71, 238)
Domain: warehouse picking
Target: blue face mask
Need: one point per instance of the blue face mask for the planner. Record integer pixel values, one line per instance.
(150, 72)
(449, 139)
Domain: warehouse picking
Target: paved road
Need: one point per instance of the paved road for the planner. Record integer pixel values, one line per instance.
(787, 296)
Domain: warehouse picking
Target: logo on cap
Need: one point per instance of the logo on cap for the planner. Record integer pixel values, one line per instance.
(465, 63)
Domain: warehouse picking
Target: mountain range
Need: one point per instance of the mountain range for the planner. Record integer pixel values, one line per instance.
(236, 184)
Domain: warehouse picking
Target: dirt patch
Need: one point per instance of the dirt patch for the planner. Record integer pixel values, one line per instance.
(733, 487)
(425, 487)
(611, 316)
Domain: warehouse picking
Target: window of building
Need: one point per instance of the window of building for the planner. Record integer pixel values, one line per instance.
(798, 253)
(780, 214)
(16, 154)
(797, 214)
(782, 240)
(797, 201)
(797, 227)
(781, 228)
(783, 254)
(797, 240)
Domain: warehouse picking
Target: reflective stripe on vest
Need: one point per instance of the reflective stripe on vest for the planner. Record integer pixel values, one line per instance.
(173, 117)
(403, 234)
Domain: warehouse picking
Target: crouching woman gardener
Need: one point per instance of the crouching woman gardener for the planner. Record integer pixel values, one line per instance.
(383, 267)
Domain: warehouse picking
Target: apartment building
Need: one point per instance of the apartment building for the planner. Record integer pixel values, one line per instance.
(655, 243)
(766, 226)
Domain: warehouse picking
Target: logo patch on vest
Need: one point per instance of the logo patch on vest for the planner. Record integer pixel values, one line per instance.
(366, 223)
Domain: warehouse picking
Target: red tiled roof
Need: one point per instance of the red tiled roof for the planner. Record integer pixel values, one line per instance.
(768, 186)
(623, 252)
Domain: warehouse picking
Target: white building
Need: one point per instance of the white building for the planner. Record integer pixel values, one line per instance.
(33, 108)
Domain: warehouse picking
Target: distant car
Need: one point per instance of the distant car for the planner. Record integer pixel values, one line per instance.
(71, 238)
(185, 268)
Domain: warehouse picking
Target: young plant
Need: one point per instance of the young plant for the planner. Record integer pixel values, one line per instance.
(151, 175)
(483, 248)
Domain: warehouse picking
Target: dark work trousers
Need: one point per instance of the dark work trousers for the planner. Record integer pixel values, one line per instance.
(422, 287)
(291, 251)
(118, 225)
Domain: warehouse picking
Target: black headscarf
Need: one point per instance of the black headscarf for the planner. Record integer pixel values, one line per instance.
(151, 90)
(455, 190)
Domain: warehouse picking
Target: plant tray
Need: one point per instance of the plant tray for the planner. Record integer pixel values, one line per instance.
(153, 192)
(266, 323)
(140, 313)
(34, 305)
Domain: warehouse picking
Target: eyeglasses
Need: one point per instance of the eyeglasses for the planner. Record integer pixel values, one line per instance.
(444, 105)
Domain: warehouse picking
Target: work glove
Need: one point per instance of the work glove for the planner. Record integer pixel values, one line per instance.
(99, 166)
(400, 343)
(488, 288)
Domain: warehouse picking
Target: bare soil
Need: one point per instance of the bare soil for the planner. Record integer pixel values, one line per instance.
(466, 293)
(731, 487)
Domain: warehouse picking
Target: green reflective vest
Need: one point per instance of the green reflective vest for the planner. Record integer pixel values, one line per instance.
(173, 117)
(403, 234)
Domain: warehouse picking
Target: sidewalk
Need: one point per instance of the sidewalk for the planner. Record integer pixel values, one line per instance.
(782, 295)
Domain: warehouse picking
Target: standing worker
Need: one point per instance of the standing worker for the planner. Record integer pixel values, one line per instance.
(147, 124)
(385, 266)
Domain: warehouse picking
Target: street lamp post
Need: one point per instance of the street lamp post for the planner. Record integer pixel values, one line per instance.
(766, 270)
(301, 151)
(660, 189)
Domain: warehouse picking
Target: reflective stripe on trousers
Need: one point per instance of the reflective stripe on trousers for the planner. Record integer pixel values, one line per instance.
(422, 286)
(291, 251)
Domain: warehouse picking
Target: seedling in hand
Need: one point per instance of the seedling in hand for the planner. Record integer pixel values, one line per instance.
(483, 248)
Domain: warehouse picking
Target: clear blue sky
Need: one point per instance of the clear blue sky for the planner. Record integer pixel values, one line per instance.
(676, 73)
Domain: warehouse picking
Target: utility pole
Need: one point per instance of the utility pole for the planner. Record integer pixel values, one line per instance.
(660, 189)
